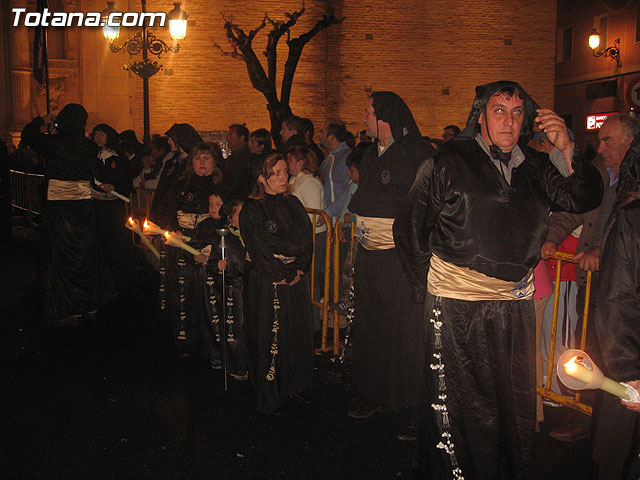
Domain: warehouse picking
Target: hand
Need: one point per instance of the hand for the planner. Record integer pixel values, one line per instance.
(200, 258)
(299, 274)
(107, 187)
(589, 260)
(553, 125)
(635, 407)
(548, 249)
(222, 265)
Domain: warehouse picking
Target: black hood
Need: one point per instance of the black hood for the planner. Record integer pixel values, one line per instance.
(112, 135)
(629, 175)
(390, 108)
(484, 93)
(184, 135)
(72, 120)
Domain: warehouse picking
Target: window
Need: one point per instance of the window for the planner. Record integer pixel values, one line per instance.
(605, 89)
(564, 50)
(601, 24)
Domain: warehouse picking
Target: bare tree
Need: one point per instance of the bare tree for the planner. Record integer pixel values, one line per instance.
(265, 81)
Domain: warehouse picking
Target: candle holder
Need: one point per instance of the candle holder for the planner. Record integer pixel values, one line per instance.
(134, 225)
(578, 371)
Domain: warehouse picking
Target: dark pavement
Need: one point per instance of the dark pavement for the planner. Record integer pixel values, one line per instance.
(110, 400)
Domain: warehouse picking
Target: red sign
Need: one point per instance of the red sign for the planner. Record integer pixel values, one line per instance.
(633, 93)
(595, 120)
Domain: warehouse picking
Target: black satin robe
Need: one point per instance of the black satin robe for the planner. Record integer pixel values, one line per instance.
(182, 277)
(278, 224)
(69, 252)
(616, 441)
(462, 209)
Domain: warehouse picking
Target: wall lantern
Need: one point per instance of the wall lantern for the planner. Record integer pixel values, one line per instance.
(612, 52)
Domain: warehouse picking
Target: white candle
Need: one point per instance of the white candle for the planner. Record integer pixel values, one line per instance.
(171, 238)
(133, 225)
(579, 371)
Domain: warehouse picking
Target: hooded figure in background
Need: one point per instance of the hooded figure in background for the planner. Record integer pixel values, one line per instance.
(69, 253)
(389, 339)
(469, 236)
(617, 432)
(182, 138)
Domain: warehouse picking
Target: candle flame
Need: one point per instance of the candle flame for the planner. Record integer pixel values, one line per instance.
(167, 234)
(571, 367)
(131, 220)
(146, 224)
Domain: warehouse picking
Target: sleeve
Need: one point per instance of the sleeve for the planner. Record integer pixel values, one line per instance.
(41, 143)
(561, 224)
(579, 192)
(412, 228)
(618, 317)
(260, 249)
(167, 207)
(340, 178)
(303, 260)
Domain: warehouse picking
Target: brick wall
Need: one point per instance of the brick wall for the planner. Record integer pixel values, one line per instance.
(416, 48)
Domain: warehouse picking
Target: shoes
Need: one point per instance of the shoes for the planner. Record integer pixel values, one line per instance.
(571, 433)
(300, 398)
(409, 433)
(363, 409)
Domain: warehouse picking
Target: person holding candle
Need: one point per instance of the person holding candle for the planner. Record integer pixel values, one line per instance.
(616, 439)
(279, 239)
(113, 173)
(182, 211)
(469, 237)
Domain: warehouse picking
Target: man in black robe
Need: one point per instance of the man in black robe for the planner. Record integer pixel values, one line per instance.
(70, 252)
(475, 220)
(616, 439)
(388, 347)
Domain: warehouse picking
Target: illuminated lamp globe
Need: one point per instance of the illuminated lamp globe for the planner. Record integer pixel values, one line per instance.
(594, 40)
(177, 22)
(110, 32)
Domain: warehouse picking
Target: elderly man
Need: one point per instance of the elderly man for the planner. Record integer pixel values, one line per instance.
(617, 324)
(615, 136)
(388, 334)
(471, 234)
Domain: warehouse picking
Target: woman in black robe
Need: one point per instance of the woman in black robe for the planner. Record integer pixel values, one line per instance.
(279, 240)
(112, 174)
(182, 278)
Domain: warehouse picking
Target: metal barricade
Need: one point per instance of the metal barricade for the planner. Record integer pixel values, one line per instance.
(545, 391)
(27, 191)
(315, 302)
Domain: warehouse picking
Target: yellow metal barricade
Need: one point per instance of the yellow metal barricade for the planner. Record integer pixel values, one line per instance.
(326, 258)
(545, 391)
(27, 191)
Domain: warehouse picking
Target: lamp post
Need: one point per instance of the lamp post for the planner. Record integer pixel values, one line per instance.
(146, 43)
(612, 52)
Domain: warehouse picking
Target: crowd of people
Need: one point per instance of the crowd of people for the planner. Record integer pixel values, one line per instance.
(452, 237)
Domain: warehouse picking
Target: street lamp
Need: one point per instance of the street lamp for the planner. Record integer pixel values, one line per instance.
(612, 52)
(146, 43)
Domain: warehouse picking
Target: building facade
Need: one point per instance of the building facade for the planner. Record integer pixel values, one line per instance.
(432, 53)
(589, 87)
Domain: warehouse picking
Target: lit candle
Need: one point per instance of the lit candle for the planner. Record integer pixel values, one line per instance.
(171, 238)
(133, 225)
(151, 228)
(579, 371)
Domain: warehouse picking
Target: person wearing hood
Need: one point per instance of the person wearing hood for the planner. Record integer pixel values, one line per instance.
(388, 333)
(470, 235)
(617, 325)
(182, 138)
(69, 253)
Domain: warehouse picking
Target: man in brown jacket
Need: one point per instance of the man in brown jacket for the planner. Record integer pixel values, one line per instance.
(615, 136)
